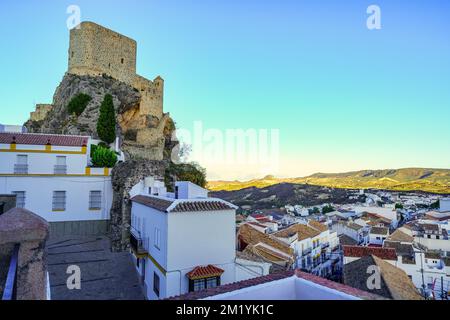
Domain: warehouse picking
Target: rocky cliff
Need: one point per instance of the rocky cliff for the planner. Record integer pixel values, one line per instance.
(145, 139)
(155, 134)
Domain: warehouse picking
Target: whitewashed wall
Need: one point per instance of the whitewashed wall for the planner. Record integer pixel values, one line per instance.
(39, 196)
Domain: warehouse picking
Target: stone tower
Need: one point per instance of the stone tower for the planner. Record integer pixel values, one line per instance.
(95, 50)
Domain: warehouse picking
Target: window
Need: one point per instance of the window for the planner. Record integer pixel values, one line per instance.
(59, 200)
(121, 60)
(95, 200)
(21, 167)
(201, 284)
(20, 199)
(156, 284)
(438, 237)
(157, 240)
(61, 166)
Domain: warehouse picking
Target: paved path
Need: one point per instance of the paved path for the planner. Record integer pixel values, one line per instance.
(104, 275)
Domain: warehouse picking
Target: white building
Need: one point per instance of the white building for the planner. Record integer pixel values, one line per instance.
(387, 213)
(283, 286)
(444, 204)
(353, 230)
(377, 235)
(182, 241)
(12, 128)
(51, 176)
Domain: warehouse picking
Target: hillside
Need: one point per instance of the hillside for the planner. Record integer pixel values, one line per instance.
(278, 195)
(408, 179)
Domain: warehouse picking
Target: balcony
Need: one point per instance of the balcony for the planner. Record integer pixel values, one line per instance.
(306, 251)
(20, 169)
(325, 245)
(136, 242)
(60, 169)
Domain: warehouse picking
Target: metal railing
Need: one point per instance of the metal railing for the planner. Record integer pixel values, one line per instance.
(9, 292)
(20, 169)
(136, 242)
(60, 169)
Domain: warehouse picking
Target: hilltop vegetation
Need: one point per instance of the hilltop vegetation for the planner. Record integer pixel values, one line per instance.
(409, 179)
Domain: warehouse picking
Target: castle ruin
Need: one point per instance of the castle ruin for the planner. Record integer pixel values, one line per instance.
(96, 51)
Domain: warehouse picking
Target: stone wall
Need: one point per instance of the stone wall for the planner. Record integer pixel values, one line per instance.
(7, 202)
(41, 112)
(124, 177)
(31, 232)
(95, 50)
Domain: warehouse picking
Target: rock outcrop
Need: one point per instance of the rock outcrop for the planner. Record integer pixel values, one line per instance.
(146, 140)
(124, 176)
(102, 61)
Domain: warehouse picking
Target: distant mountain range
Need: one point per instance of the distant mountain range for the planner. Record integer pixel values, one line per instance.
(408, 179)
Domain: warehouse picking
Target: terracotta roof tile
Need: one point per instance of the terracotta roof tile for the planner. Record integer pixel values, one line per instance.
(303, 231)
(249, 235)
(208, 271)
(359, 252)
(395, 283)
(317, 225)
(201, 206)
(43, 139)
(275, 277)
(400, 236)
(152, 202)
(234, 286)
(379, 230)
(183, 206)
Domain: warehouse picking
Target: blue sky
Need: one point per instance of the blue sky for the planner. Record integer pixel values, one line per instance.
(343, 97)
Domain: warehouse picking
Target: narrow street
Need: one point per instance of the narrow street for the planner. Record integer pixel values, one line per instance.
(104, 275)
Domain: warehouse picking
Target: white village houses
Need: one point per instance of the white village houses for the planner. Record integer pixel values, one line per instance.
(51, 175)
(182, 241)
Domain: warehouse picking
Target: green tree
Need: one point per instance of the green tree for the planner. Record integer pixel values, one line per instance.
(103, 158)
(398, 206)
(106, 125)
(327, 209)
(435, 205)
(192, 172)
(78, 103)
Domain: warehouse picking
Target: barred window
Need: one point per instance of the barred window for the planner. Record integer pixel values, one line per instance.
(20, 199)
(95, 200)
(59, 200)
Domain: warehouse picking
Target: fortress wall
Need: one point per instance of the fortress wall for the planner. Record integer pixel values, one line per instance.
(95, 50)
(152, 96)
(41, 112)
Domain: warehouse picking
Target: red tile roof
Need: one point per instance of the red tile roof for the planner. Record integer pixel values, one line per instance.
(359, 252)
(183, 206)
(201, 206)
(275, 277)
(43, 139)
(205, 272)
(152, 202)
